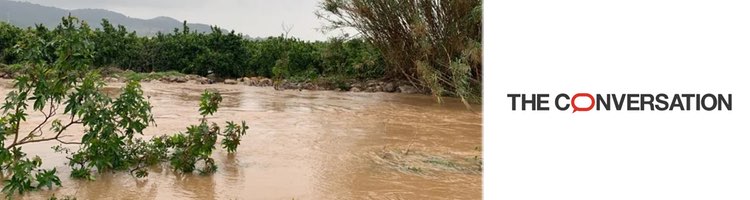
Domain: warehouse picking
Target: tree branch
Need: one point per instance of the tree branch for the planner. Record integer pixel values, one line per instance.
(57, 135)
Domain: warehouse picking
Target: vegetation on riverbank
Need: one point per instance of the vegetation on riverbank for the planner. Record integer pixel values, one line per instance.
(435, 46)
(227, 55)
(57, 82)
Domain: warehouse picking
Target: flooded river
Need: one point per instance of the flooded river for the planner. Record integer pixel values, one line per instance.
(301, 145)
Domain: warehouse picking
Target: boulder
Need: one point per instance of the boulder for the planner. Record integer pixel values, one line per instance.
(212, 76)
(165, 80)
(254, 82)
(203, 80)
(192, 77)
(309, 86)
(180, 79)
(230, 81)
(355, 89)
(408, 89)
(289, 86)
(265, 82)
(390, 87)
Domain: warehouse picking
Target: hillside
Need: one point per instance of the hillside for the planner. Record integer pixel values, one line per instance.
(24, 14)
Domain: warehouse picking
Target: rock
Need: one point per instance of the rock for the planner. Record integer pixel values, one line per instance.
(251, 82)
(355, 89)
(245, 79)
(408, 89)
(230, 81)
(309, 86)
(289, 86)
(180, 79)
(378, 89)
(390, 87)
(212, 77)
(372, 83)
(203, 80)
(265, 82)
(337, 90)
(370, 89)
(192, 77)
(357, 85)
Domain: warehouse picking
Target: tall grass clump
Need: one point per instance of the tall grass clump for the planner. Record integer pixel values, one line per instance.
(435, 44)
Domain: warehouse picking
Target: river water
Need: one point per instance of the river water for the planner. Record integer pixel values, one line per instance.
(301, 145)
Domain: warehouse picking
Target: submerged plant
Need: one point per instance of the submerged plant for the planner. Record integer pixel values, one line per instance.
(196, 145)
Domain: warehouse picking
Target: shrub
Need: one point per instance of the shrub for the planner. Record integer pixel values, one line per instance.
(434, 43)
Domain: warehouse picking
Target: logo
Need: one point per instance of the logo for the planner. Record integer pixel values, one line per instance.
(584, 102)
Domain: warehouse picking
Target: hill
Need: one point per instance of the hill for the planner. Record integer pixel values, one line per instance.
(24, 14)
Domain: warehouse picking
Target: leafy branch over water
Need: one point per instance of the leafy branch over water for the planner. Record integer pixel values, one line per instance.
(58, 75)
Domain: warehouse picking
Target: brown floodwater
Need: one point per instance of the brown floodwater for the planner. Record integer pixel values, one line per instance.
(300, 145)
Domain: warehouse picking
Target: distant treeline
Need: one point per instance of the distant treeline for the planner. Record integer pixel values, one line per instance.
(436, 45)
(224, 54)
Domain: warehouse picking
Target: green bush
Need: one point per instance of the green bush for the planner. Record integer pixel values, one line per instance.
(9, 35)
(225, 54)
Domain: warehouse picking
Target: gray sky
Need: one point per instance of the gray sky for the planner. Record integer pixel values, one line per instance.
(257, 18)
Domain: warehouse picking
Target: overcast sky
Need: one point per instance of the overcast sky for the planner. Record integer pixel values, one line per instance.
(256, 18)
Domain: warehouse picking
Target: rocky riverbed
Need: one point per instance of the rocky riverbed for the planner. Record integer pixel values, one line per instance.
(350, 86)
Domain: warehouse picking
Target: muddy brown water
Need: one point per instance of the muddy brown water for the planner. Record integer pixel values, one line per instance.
(300, 145)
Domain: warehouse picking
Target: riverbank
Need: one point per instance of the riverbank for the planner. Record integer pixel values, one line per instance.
(371, 86)
(327, 84)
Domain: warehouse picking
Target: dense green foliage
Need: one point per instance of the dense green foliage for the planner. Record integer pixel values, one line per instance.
(435, 43)
(224, 54)
(9, 36)
(58, 75)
